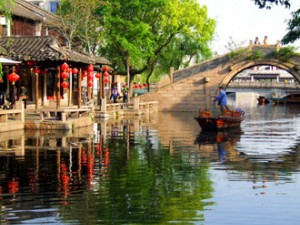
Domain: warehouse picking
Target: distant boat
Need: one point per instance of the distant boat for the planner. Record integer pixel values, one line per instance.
(262, 100)
(289, 99)
(229, 119)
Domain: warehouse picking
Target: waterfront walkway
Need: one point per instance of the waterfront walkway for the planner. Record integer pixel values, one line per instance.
(69, 117)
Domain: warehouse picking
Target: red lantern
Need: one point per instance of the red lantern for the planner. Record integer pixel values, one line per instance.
(90, 77)
(13, 77)
(64, 66)
(31, 63)
(106, 80)
(64, 75)
(97, 75)
(64, 84)
(36, 70)
(74, 71)
(43, 71)
(106, 74)
(90, 83)
(105, 68)
(90, 68)
(84, 74)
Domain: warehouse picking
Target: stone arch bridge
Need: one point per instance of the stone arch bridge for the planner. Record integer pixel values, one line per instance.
(190, 89)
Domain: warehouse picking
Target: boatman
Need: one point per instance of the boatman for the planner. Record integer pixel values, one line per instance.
(222, 99)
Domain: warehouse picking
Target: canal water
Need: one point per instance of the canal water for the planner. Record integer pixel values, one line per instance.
(159, 169)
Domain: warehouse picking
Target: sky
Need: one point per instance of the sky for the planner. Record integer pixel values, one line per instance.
(242, 20)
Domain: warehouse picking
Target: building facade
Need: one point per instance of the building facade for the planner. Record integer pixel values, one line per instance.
(48, 5)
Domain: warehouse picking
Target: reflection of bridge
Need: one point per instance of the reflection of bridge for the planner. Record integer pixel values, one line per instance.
(190, 88)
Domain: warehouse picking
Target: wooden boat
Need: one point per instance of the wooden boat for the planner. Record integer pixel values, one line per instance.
(289, 99)
(262, 100)
(229, 119)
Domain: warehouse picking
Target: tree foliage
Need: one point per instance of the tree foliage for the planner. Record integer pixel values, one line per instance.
(4, 9)
(269, 3)
(79, 25)
(293, 29)
(154, 33)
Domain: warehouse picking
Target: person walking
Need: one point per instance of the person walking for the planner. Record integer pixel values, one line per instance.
(222, 99)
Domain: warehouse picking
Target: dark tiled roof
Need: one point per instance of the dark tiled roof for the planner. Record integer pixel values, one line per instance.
(44, 48)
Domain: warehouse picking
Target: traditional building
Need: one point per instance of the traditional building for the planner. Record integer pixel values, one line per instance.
(49, 5)
(31, 40)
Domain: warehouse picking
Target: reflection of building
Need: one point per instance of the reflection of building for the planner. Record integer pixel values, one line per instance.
(265, 73)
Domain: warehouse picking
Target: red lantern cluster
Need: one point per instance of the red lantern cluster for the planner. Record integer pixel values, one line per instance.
(65, 75)
(13, 77)
(106, 79)
(140, 85)
(90, 74)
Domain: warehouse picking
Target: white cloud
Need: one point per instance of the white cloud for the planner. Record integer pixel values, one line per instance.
(243, 21)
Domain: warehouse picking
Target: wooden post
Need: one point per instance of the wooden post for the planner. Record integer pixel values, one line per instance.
(36, 91)
(58, 88)
(70, 88)
(79, 88)
(100, 89)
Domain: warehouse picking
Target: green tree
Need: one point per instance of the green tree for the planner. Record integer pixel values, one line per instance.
(4, 10)
(293, 33)
(293, 28)
(139, 34)
(79, 24)
(269, 3)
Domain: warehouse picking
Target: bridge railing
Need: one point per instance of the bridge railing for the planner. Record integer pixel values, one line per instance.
(272, 84)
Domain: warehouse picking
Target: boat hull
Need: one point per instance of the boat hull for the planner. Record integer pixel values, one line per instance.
(262, 100)
(226, 121)
(289, 99)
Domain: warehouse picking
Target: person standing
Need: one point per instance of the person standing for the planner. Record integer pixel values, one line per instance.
(23, 96)
(265, 40)
(256, 41)
(115, 93)
(222, 99)
(125, 93)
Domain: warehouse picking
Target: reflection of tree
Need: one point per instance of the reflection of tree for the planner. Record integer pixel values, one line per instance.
(149, 186)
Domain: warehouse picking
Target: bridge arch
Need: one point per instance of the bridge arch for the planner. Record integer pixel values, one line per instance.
(191, 88)
(271, 62)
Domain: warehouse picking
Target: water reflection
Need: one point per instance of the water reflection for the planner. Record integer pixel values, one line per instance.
(120, 174)
(219, 146)
(152, 170)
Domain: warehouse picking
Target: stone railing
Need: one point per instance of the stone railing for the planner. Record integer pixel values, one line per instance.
(12, 119)
(135, 107)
